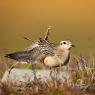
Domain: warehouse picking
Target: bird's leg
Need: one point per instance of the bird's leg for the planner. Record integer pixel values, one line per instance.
(12, 67)
(34, 71)
(57, 72)
(51, 72)
(60, 68)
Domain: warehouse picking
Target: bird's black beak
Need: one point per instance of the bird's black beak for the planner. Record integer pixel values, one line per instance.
(73, 45)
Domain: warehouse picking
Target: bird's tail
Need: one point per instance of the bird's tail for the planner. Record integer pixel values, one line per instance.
(20, 56)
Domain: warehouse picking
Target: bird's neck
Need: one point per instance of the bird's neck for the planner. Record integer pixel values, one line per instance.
(62, 52)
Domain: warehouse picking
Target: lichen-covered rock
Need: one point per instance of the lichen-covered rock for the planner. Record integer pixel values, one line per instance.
(26, 75)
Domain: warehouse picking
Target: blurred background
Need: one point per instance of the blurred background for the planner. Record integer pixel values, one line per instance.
(70, 19)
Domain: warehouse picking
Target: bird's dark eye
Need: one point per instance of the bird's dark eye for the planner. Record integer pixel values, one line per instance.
(64, 42)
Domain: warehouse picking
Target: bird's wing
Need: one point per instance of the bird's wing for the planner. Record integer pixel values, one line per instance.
(25, 56)
(39, 52)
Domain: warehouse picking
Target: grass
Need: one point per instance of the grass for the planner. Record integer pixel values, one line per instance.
(83, 77)
(80, 82)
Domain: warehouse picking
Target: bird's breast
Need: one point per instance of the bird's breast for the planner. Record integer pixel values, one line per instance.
(56, 60)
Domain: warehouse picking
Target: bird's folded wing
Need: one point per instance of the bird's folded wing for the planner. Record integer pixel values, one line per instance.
(40, 51)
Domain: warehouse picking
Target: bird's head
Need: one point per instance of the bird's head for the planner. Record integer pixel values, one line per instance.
(66, 44)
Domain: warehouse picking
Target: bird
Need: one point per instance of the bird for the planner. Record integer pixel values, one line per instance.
(50, 54)
(61, 55)
(34, 44)
(36, 52)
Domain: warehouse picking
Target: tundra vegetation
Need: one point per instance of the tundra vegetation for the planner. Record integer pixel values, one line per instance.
(81, 79)
(80, 82)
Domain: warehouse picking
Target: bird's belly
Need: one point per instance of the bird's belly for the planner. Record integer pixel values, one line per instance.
(55, 61)
(51, 62)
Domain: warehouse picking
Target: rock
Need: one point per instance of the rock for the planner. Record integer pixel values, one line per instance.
(24, 75)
